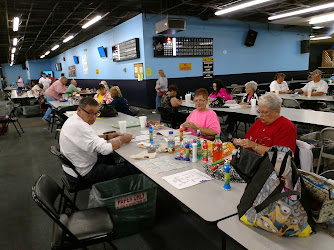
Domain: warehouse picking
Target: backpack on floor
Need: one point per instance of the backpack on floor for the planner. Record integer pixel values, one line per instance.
(275, 198)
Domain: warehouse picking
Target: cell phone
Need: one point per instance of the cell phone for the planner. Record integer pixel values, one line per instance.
(109, 132)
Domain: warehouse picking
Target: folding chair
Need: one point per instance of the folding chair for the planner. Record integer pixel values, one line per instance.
(327, 148)
(291, 103)
(80, 229)
(11, 118)
(165, 116)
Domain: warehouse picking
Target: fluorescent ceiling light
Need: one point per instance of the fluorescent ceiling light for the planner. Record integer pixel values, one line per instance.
(67, 39)
(312, 36)
(15, 41)
(42, 56)
(16, 22)
(321, 38)
(322, 19)
(239, 7)
(13, 50)
(317, 27)
(46, 53)
(94, 20)
(55, 47)
(12, 57)
(302, 11)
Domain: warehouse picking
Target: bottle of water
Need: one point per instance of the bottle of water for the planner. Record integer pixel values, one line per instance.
(171, 143)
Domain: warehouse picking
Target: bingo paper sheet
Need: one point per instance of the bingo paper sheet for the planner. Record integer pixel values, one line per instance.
(161, 164)
(187, 178)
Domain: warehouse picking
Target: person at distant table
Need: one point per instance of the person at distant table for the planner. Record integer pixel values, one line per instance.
(103, 96)
(73, 88)
(250, 88)
(45, 81)
(279, 84)
(37, 89)
(161, 87)
(20, 82)
(51, 78)
(317, 86)
(53, 93)
(219, 89)
(271, 129)
(105, 85)
(119, 101)
(202, 118)
(91, 154)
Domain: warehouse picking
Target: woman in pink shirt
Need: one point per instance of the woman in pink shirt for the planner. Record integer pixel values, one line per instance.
(202, 118)
(219, 89)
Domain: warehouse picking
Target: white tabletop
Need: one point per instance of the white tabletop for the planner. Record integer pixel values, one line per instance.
(58, 104)
(295, 115)
(10, 88)
(27, 94)
(207, 199)
(325, 98)
(258, 239)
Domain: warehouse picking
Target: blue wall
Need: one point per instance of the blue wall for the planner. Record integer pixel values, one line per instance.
(107, 68)
(12, 72)
(36, 66)
(275, 49)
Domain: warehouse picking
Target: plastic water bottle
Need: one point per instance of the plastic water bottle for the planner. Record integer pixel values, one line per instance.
(205, 151)
(194, 154)
(227, 168)
(171, 143)
(217, 149)
(199, 145)
(151, 134)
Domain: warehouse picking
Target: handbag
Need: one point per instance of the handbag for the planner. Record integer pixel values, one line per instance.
(218, 102)
(108, 110)
(276, 199)
(219, 173)
(161, 93)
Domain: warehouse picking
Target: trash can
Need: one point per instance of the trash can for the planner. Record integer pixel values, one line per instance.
(131, 201)
(31, 111)
(314, 140)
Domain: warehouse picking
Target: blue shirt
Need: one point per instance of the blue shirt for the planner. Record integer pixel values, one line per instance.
(121, 105)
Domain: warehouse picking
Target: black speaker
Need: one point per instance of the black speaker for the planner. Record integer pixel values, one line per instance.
(64, 59)
(24, 66)
(251, 37)
(304, 46)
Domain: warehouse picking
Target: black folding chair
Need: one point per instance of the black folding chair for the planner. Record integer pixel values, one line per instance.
(11, 118)
(165, 116)
(67, 186)
(80, 229)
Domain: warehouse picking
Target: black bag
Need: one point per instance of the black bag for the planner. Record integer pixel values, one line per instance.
(108, 110)
(218, 102)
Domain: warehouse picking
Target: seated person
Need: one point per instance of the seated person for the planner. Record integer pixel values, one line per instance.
(232, 119)
(37, 89)
(250, 88)
(103, 96)
(105, 85)
(87, 151)
(171, 103)
(219, 89)
(279, 84)
(271, 129)
(119, 101)
(202, 118)
(317, 86)
(73, 88)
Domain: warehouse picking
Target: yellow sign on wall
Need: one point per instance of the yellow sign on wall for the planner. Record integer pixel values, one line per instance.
(184, 66)
(207, 59)
(97, 71)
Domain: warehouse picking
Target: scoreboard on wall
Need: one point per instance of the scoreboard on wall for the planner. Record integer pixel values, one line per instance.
(126, 50)
(182, 46)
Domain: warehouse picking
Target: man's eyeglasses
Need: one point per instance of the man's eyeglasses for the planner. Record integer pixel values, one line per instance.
(92, 114)
(199, 101)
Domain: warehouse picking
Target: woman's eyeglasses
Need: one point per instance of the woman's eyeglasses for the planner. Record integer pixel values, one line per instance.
(92, 114)
(199, 101)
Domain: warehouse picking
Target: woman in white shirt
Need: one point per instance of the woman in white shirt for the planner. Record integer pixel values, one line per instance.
(161, 87)
(279, 84)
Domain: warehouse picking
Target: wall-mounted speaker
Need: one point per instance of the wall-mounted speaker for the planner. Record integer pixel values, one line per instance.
(250, 39)
(304, 46)
(64, 59)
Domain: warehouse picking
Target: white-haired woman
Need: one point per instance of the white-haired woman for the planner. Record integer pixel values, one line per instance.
(105, 84)
(250, 88)
(279, 84)
(161, 87)
(271, 129)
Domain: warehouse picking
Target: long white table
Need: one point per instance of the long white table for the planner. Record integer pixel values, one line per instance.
(258, 239)
(207, 199)
(25, 95)
(324, 98)
(296, 115)
(58, 104)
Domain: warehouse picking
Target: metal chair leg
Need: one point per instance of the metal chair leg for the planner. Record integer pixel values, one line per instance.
(16, 129)
(20, 125)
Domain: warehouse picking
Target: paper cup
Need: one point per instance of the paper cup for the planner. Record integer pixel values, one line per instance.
(276, 92)
(143, 120)
(122, 126)
(253, 102)
(309, 93)
(188, 98)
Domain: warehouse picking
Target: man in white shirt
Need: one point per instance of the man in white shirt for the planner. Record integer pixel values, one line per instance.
(45, 81)
(81, 145)
(317, 86)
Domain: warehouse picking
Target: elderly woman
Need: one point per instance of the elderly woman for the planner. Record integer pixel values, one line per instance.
(250, 88)
(161, 87)
(105, 85)
(279, 84)
(271, 129)
(171, 103)
(119, 101)
(219, 89)
(103, 96)
(202, 118)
